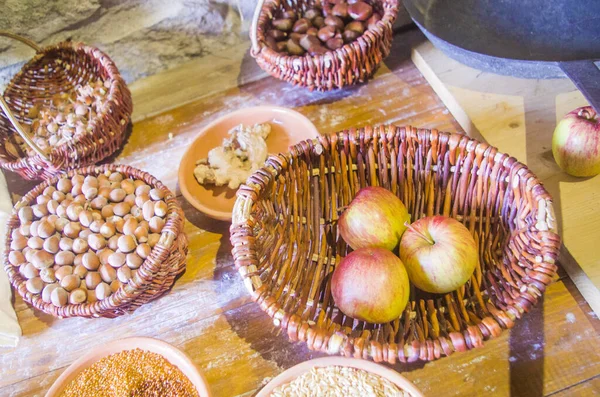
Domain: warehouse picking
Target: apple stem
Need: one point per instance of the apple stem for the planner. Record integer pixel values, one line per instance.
(586, 113)
(424, 237)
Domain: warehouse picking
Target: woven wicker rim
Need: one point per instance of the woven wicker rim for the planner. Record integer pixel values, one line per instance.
(118, 107)
(330, 337)
(266, 8)
(128, 292)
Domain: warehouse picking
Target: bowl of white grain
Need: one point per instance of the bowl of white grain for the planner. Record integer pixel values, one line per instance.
(339, 376)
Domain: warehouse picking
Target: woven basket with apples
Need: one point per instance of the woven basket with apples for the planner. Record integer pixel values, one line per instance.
(394, 244)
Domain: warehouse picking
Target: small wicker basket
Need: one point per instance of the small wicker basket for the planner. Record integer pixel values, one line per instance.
(352, 63)
(40, 79)
(155, 276)
(286, 244)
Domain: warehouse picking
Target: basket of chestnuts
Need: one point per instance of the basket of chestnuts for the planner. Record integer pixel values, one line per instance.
(68, 107)
(95, 242)
(322, 44)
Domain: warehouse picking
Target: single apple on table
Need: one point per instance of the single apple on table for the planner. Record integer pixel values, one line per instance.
(371, 284)
(439, 254)
(374, 218)
(576, 142)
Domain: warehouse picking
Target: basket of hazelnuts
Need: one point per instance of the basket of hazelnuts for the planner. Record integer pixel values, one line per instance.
(95, 242)
(68, 107)
(322, 44)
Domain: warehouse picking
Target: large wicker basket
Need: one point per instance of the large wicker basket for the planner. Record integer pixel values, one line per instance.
(56, 69)
(155, 276)
(352, 63)
(286, 245)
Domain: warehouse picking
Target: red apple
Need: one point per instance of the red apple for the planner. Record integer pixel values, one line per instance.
(439, 254)
(371, 284)
(576, 142)
(374, 218)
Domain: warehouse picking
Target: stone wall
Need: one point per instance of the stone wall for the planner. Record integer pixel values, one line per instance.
(143, 37)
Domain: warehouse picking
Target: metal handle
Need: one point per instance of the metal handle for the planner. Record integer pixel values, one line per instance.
(253, 27)
(11, 117)
(586, 77)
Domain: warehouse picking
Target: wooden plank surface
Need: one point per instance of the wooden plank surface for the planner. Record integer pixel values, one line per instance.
(518, 116)
(209, 315)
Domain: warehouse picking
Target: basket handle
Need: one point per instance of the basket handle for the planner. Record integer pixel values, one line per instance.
(254, 26)
(11, 117)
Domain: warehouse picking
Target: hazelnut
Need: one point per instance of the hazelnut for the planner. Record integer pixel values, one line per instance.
(119, 223)
(92, 279)
(115, 177)
(47, 275)
(34, 285)
(64, 185)
(18, 243)
(113, 242)
(78, 259)
(117, 195)
(90, 261)
(47, 291)
(122, 209)
(77, 179)
(124, 274)
(59, 297)
(156, 194)
(52, 218)
(141, 234)
(160, 208)
(16, 258)
(76, 190)
(108, 230)
(156, 224)
(33, 228)
(80, 271)
(66, 244)
(61, 211)
(60, 224)
(70, 282)
(80, 246)
(117, 259)
(96, 241)
(28, 252)
(29, 271)
(103, 291)
(126, 243)
(115, 285)
(58, 196)
(143, 250)
(153, 239)
(42, 259)
(129, 227)
(141, 199)
(136, 212)
(128, 186)
(63, 272)
(45, 229)
(104, 254)
(72, 230)
(107, 273)
(73, 211)
(104, 191)
(91, 181)
(35, 243)
(96, 226)
(51, 244)
(63, 258)
(85, 218)
(39, 210)
(52, 206)
(98, 203)
(77, 296)
(49, 191)
(142, 189)
(91, 296)
(133, 261)
(85, 233)
(130, 199)
(148, 209)
(25, 229)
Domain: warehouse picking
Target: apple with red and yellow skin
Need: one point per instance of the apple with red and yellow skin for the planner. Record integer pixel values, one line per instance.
(374, 218)
(371, 284)
(439, 254)
(576, 142)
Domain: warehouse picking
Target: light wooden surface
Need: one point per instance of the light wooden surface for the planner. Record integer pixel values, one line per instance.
(518, 116)
(553, 350)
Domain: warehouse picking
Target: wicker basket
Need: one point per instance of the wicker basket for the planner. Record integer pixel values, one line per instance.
(154, 277)
(286, 245)
(353, 63)
(39, 80)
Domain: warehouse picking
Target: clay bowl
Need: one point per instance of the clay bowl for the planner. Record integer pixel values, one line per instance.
(369, 366)
(287, 128)
(170, 352)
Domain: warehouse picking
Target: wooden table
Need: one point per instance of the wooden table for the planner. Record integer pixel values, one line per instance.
(554, 350)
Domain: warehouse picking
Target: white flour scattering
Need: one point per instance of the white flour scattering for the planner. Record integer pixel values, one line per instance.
(338, 381)
(242, 153)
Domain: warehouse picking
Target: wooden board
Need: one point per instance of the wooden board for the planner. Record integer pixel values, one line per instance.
(209, 315)
(518, 116)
